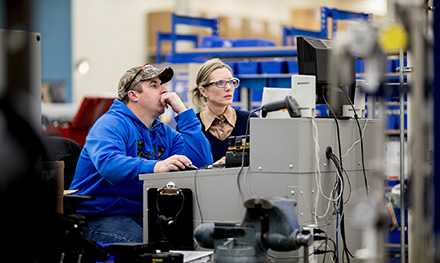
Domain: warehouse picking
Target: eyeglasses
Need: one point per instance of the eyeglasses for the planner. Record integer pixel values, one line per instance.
(221, 84)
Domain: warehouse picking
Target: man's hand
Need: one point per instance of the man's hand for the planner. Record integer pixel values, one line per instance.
(173, 100)
(175, 162)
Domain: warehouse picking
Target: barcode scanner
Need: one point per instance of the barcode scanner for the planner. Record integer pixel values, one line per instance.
(289, 104)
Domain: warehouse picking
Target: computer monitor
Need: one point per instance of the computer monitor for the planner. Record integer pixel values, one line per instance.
(316, 57)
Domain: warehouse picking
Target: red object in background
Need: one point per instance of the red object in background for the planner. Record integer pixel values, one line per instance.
(90, 110)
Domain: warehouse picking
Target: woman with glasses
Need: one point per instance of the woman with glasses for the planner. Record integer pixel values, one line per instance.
(214, 93)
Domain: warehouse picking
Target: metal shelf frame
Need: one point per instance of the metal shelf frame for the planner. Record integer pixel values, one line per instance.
(199, 54)
(161, 36)
(289, 33)
(213, 24)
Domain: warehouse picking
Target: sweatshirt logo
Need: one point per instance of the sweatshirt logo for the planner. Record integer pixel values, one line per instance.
(156, 155)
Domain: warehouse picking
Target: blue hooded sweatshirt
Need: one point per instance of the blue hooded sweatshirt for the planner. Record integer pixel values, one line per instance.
(108, 167)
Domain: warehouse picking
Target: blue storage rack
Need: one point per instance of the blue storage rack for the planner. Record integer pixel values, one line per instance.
(289, 33)
(246, 52)
(251, 64)
(161, 36)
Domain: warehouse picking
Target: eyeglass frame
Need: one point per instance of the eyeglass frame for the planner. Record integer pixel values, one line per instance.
(226, 83)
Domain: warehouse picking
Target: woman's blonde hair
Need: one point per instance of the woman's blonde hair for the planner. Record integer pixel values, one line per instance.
(203, 78)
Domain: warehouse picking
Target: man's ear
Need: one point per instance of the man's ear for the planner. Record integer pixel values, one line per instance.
(132, 95)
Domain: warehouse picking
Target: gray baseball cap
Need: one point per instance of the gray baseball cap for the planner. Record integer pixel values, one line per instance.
(146, 72)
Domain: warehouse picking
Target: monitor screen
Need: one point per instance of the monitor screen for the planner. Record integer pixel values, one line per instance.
(315, 57)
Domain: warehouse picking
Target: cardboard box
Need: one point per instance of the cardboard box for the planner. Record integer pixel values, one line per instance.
(306, 18)
(253, 28)
(158, 21)
(231, 27)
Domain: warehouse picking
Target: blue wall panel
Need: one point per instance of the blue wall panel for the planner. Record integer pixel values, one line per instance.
(53, 20)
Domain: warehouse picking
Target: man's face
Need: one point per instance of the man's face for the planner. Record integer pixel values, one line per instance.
(149, 99)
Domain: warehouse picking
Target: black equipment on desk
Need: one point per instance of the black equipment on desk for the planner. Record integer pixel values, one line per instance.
(234, 155)
(140, 252)
(170, 218)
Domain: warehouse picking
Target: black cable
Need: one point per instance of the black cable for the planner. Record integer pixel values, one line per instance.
(347, 252)
(340, 150)
(316, 237)
(244, 150)
(298, 257)
(337, 129)
(362, 142)
(340, 186)
(336, 205)
(335, 160)
(197, 197)
(334, 250)
(341, 171)
(349, 185)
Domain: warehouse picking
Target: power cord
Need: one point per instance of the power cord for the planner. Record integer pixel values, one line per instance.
(337, 130)
(338, 165)
(318, 237)
(197, 196)
(331, 197)
(244, 150)
(362, 141)
(331, 156)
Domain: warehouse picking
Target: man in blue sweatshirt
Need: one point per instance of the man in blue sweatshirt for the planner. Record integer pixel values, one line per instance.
(129, 140)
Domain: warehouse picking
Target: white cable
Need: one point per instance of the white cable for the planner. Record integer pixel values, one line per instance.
(334, 188)
(330, 199)
(356, 142)
(328, 203)
(317, 170)
(318, 178)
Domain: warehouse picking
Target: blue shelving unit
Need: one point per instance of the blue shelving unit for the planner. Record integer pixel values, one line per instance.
(289, 33)
(246, 50)
(393, 237)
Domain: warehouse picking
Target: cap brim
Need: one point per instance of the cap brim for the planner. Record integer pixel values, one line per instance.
(164, 74)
